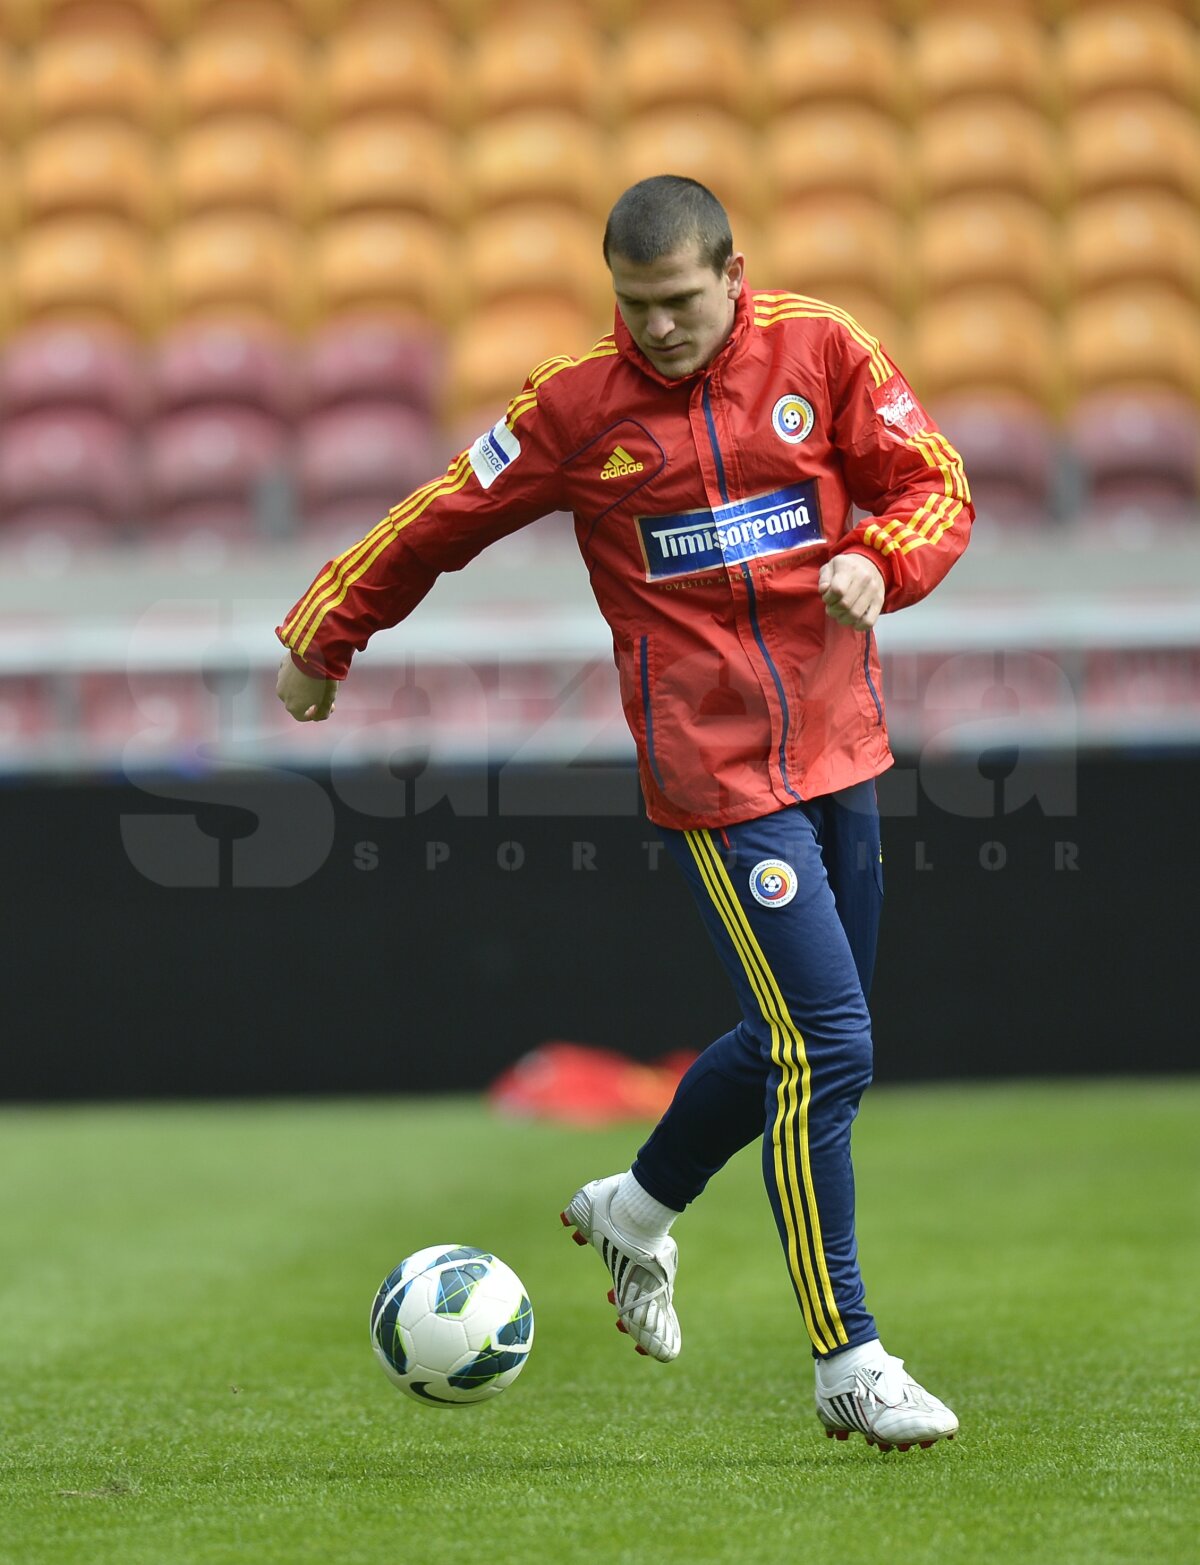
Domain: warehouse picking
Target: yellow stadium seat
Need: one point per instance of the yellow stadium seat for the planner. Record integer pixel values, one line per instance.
(233, 261)
(993, 237)
(1121, 47)
(1144, 335)
(710, 145)
(815, 54)
(981, 51)
(8, 202)
(289, 14)
(81, 73)
(991, 143)
(150, 17)
(383, 261)
(537, 154)
(381, 66)
(1135, 138)
(540, 250)
(676, 58)
(92, 165)
(827, 247)
(839, 148)
(540, 57)
(13, 93)
(497, 347)
(242, 160)
(241, 70)
(389, 162)
(986, 340)
(83, 267)
(1134, 235)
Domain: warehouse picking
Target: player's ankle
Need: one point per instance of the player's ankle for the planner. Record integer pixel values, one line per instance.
(637, 1213)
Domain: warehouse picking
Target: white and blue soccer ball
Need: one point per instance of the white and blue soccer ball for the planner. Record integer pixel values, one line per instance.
(451, 1325)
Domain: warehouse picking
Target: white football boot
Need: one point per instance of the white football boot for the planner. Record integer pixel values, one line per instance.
(643, 1278)
(884, 1404)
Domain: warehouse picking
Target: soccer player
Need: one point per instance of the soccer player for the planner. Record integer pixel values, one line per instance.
(711, 449)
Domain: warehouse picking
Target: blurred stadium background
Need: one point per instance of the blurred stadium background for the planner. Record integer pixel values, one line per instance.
(267, 264)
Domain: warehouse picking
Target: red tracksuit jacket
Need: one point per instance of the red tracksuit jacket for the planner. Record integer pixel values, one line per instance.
(704, 509)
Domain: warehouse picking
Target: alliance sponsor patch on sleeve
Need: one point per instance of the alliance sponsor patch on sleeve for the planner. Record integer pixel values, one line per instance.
(493, 452)
(898, 408)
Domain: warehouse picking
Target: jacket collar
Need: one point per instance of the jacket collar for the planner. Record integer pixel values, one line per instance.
(743, 317)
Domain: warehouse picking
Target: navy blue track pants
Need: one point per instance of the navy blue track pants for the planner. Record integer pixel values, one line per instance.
(792, 904)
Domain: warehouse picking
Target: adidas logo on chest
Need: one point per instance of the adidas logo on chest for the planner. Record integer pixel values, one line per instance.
(620, 465)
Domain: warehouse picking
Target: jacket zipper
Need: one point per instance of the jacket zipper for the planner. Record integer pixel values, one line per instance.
(752, 600)
(647, 714)
(870, 681)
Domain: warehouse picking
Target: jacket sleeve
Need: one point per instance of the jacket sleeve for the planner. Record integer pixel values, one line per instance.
(899, 467)
(507, 479)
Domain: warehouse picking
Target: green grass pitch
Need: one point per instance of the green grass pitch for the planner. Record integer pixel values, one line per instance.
(187, 1376)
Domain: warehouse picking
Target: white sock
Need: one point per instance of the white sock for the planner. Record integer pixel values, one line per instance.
(834, 1368)
(637, 1213)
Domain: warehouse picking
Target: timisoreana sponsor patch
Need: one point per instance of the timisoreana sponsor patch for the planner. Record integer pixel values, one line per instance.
(691, 541)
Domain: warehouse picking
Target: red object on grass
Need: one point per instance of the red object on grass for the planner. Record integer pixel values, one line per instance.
(576, 1084)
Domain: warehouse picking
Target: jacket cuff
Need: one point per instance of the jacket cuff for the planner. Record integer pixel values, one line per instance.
(309, 666)
(881, 562)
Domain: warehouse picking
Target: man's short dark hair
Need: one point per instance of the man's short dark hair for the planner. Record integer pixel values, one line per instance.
(662, 214)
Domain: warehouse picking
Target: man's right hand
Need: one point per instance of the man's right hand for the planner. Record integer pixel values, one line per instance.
(307, 700)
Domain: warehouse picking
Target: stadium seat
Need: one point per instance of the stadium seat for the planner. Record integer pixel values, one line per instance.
(76, 459)
(1111, 48)
(225, 261)
(71, 74)
(539, 250)
(384, 358)
(1138, 455)
(837, 148)
(234, 69)
(981, 51)
(380, 66)
(670, 58)
(206, 469)
(827, 245)
(710, 145)
(1010, 451)
(1134, 236)
(240, 160)
(995, 237)
(1133, 138)
(991, 143)
(138, 16)
(985, 341)
(1141, 335)
(58, 366)
(83, 266)
(360, 451)
(381, 261)
(92, 165)
(8, 196)
(226, 362)
(13, 92)
(538, 154)
(538, 55)
(387, 163)
(498, 346)
(808, 55)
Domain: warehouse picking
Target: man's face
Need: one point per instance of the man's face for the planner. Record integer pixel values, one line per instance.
(678, 310)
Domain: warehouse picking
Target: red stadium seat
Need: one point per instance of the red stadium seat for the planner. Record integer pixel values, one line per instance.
(837, 149)
(228, 363)
(92, 165)
(206, 470)
(854, 54)
(379, 65)
(383, 358)
(1138, 440)
(360, 450)
(981, 50)
(1010, 450)
(240, 160)
(104, 72)
(387, 163)
(1133, 139)
(76, 458)
(1111, 48)
(46, 367)
(540, 55)
(991, 237)
(1134, 235)
(992, 143)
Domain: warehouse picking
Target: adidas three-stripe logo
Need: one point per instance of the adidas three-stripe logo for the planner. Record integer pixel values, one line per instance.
(620, 464)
